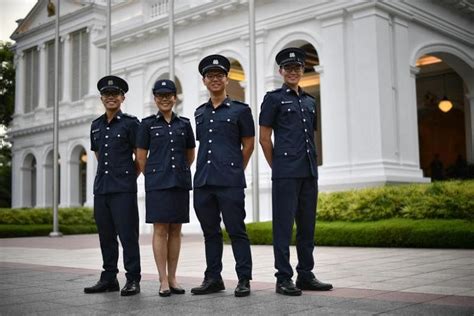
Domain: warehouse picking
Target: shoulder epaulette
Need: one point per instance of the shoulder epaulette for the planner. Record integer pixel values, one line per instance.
(149, 117)
(183, 118)
(309, 95)
(97, 119)
(276, 90)
(129, 116)
(240, 102)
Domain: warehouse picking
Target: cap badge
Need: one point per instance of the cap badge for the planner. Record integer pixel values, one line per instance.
(163, 83)
(292, 55)
(110, 82)
(215, 62)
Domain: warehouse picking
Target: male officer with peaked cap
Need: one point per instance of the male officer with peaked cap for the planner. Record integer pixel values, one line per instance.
(225, 130)
(115, 189)
(291, 114)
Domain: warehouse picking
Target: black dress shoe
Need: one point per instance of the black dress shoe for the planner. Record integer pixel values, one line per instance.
(209, 286)
(177, 290)
(312, 284)
(130, 288)
(103, 286)
(164, 293)
(243, 288)
(287, 287)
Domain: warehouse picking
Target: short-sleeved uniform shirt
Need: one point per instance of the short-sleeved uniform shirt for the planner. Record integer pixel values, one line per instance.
(219, 132)
(115, 141)
(167, 165)
(293, 120)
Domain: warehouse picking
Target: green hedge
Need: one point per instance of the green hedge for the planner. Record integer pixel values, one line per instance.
(9, 231)
(66, 216)
(384, 233)
(438, 200)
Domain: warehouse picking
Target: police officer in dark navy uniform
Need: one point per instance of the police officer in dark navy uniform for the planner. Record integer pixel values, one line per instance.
(225, 130)
(115, 189)
(165, 153)
(291, 114)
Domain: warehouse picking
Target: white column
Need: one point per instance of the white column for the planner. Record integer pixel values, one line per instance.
(91, 171)
(43, 77)
(64, 188)
(19, 83)
(411, 99)
(48, 180)
(16, 180)
(43, 186)
(336, 108)
(94, 62)
(67, 68)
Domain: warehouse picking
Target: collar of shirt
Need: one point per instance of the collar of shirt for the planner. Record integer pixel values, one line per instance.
(160, 116)
(226, 102)
(289, 90)
(117, 116)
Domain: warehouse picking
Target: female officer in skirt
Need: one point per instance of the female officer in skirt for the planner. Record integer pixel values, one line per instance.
(165, 143)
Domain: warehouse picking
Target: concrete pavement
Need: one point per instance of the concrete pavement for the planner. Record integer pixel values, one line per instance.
(46, 276)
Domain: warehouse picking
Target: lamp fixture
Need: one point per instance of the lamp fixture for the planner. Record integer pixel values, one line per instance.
(445, 104)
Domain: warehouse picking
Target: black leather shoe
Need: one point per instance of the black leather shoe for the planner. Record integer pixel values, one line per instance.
(164, 293)
(312, 285)
(243, 288)
(287, 287)
(177, 290)
(103, 286)
(209, 286)
(130, 288)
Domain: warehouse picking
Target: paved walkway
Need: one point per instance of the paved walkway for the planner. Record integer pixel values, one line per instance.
(46, 276)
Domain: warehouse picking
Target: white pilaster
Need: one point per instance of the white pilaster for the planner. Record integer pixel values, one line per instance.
(335, 107)
(19, 83)
(43, 77)
(67, 68)
(91, 171)
(94, 61)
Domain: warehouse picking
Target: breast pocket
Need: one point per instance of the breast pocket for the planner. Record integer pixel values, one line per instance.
(96, 138)
(157, 136)
(199, 126)
(289, 112)
(226, 126)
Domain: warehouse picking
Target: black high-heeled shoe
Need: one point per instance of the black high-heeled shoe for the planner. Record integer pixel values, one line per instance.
(177, 290)
(164, 293)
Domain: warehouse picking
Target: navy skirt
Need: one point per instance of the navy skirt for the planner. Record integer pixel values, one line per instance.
(167, 206)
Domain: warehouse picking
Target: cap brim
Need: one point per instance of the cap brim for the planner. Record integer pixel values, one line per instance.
(291, 61)
(105, 89)
(214, 67)
(163, 90)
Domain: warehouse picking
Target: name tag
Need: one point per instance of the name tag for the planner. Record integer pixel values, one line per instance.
(286, 102)
(95, 130)
(153, 127)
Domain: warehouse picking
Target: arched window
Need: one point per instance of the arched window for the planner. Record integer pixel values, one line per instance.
(28, 171)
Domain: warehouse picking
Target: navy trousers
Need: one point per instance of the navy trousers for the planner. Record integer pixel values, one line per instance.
(117, 214)
(294, 200)
(209, 203)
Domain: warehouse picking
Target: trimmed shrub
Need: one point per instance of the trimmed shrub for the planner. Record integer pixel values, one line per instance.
(439, 200)
(66, 216)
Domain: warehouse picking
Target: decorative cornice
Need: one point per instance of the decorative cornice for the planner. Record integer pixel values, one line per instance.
(12, 133)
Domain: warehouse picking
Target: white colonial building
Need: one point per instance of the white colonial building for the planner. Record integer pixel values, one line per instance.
(377, 68)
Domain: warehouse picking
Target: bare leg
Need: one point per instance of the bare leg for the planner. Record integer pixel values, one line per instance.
(174, 247)
(160, 251)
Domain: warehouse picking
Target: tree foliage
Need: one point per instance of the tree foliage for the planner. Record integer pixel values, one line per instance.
(7, 83)
(7, 99)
